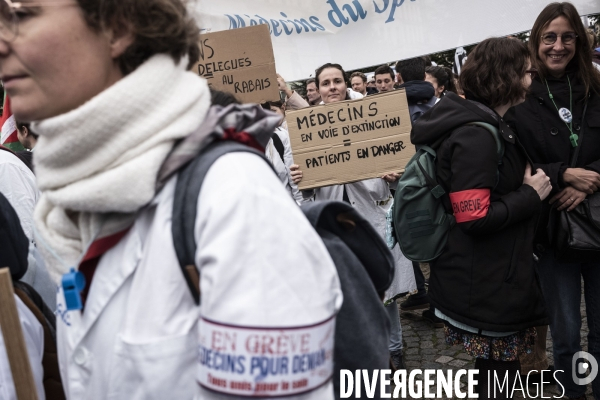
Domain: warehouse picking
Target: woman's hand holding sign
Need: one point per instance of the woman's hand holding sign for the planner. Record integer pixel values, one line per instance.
(391, 177)
(296, 173)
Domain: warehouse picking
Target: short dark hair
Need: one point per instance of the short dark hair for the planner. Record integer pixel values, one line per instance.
(21, 125)
(330, 65)
(267, 105)
(494, 72)
(219, 98)
(412, 69)
(583, 56)
(360, 75)
(385, 69)
(311, 80)
(158, 26)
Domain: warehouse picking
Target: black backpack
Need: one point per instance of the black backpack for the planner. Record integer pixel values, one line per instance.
(364, 263)
(15, 246)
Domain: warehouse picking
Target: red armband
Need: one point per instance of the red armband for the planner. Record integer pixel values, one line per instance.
(470, 205)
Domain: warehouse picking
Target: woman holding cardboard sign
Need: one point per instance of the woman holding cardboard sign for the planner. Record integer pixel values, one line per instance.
(371, 197)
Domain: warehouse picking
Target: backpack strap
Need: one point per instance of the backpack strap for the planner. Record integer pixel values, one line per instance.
(499, 141)
(49, 319)
(278, 145)
(53, 387)
(436, 189)
(185, 203)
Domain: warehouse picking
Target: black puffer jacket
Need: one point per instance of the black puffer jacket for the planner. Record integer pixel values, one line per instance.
(485, 276)
(546, 137)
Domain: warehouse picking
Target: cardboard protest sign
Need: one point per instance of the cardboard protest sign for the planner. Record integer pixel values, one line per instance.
(351, 140)
(240, 62)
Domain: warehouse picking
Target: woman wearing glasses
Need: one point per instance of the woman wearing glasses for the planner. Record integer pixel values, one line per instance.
(550, 123)
(483, 285)
(106, 83)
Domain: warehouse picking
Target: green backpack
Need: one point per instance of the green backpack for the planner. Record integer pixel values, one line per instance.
(421, 215)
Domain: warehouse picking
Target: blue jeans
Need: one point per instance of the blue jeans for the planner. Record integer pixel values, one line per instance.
(396, 328)
(561, 286)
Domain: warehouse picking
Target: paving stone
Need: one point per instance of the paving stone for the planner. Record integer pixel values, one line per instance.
(464, 356)
(423, 328)
(448, 352)
(426, 349)
(458, 363)
(432, 365)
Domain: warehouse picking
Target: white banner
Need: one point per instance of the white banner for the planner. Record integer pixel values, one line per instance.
(360, 33)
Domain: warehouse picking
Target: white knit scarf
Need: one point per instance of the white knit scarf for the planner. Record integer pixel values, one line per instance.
(97, 165)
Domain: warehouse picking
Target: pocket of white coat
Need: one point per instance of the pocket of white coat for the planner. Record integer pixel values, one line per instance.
(163, 369)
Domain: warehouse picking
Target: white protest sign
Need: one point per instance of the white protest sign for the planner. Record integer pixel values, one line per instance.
(360, 33)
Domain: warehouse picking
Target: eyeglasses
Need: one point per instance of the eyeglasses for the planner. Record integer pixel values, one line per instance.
(532, 73)
(566, 38)
(12, 12)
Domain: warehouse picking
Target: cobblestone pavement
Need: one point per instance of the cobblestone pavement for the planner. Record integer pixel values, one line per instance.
(425, 348)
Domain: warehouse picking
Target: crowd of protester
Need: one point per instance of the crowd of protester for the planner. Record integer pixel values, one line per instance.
(94, 191)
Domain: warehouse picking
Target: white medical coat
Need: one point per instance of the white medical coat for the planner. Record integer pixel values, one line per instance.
(261, 264)
(18, 185)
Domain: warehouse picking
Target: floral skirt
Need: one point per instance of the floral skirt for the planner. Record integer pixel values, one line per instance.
(506, 348)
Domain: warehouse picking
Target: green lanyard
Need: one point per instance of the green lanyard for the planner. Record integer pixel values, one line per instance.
(574, 137)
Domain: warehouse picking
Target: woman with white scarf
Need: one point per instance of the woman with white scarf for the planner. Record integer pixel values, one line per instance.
(105, 83)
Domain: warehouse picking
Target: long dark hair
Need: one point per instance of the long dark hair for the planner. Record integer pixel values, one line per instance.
(444, 77)
(582, 61)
